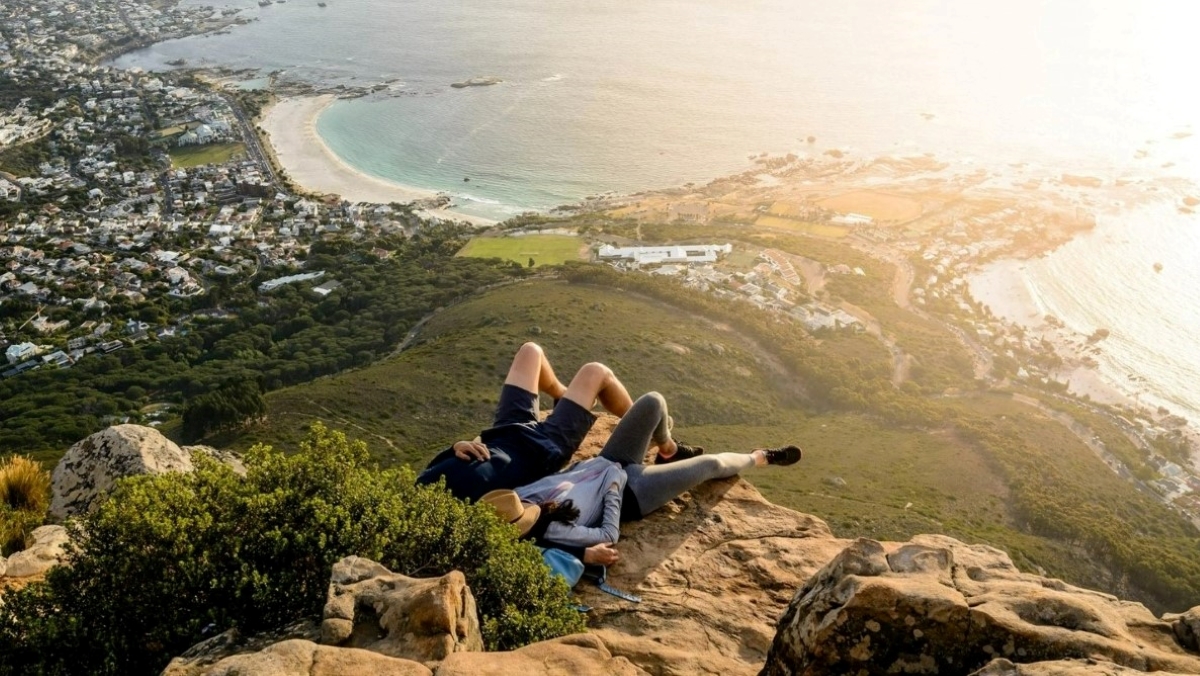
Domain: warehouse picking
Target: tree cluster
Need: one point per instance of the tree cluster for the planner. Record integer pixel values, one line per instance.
(273, 340)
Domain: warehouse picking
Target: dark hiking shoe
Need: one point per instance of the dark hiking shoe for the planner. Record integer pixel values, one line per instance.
(682, 452)
(787, 455)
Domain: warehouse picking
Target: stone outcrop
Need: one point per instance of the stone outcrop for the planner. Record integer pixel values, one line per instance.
(577, 655)
(936, 605)
(48, 550)
(200, 658)
(730, 582)
(3, 566)
(88, 472)
(1085, 667)
(715, 569)
(1186, 627)
(425, 619)
(225, 457)
(297, 657)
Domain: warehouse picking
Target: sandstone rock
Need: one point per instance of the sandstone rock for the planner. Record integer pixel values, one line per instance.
(936, 605)
(48, 550)
(3, 566)
(576, 655)
(297, 657)
(226, 457)
(373, 608)
(199, 658)
(715, 569)
(1187, 628)
(1084, 667)
(87, 473)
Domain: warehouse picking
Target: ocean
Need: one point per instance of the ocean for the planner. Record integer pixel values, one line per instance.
(618, 96)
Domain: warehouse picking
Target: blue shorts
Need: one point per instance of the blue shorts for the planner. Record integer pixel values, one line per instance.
(523, 449)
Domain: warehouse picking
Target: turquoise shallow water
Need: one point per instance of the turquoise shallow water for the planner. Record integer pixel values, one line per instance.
(618, 96)
(622, 96)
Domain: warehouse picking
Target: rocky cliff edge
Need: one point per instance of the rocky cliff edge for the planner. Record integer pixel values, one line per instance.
(732, 584)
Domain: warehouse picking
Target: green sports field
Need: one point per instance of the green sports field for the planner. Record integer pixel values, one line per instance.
(543, 249)
(214, 153)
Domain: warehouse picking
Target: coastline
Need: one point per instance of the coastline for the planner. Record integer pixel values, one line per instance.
(1001, 286)
(290, 127)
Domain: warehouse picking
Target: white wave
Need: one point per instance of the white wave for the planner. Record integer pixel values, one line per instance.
(554, 78)
(472, 198)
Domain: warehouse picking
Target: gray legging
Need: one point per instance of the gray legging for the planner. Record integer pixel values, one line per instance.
(656, 485)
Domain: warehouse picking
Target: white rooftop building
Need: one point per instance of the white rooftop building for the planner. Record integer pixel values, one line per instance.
(656, 255)
(20, 352)
(290, 279)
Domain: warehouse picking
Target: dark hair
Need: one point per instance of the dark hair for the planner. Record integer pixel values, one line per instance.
(562, 512)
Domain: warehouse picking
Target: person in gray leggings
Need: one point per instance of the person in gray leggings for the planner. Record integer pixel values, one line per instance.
(649, 487)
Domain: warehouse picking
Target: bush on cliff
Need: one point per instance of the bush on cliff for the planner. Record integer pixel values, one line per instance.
(172, 559)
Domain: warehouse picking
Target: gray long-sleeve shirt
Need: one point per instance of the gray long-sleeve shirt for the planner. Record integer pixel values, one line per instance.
(595, 486)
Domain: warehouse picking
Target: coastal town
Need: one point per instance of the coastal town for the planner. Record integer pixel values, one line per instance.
(129, 195)
(115, 214)
(935, 251)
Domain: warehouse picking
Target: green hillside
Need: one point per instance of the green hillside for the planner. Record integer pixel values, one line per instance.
(979, 466)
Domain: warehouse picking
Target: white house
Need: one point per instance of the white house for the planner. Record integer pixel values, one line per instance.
(20, 352)
(852, 219)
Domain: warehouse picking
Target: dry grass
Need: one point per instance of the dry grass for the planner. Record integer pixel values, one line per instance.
(24, 485)
(881, 206)
(24, 498)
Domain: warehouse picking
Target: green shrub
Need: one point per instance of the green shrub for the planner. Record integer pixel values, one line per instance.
(24, 498)
(173, 558)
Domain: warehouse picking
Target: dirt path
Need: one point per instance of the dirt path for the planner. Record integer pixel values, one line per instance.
(902, 283)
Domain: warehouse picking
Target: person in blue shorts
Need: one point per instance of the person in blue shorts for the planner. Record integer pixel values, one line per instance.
(518, 448)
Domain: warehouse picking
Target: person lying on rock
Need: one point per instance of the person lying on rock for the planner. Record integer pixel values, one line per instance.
(519, 449)
(617, 486)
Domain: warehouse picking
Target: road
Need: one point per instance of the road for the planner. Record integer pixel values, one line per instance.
(253, 143)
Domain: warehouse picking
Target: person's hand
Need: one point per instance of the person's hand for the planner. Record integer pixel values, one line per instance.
(602, 554)
(471, 450)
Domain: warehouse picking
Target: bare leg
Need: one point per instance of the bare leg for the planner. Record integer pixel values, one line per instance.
(531, 371)
(595, 381)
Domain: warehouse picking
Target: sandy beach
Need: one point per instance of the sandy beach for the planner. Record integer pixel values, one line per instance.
(291, 128)
(1001, 288)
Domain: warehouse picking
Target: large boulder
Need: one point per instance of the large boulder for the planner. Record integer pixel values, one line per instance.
(3, 566)
(1187, 628)
(936, 605)
(88, 472)
(200, 658)
(1083, 667)
(714, 569)
(576, 655)
(297, 657)
(424, 619)
(48, 550)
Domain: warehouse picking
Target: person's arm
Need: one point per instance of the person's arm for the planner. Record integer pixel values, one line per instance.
(609, 529)
(602, 554)
(470, 450)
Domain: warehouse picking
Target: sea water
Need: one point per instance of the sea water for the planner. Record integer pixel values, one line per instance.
(623, 96)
